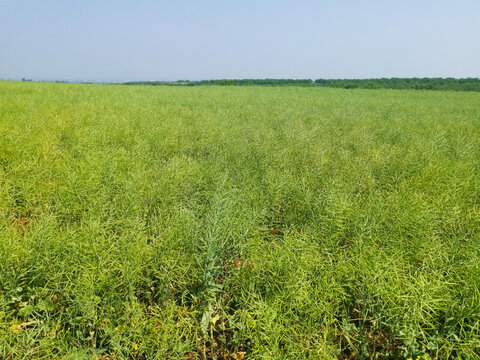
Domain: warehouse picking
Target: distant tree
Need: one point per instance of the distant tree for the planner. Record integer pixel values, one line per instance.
(452, 84)
(226, 82)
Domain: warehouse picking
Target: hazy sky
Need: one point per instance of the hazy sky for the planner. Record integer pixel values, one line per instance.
(118, 40)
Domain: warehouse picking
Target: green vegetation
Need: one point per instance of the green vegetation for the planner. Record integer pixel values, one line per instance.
(228, 82)
(468, 84)
(238, 222)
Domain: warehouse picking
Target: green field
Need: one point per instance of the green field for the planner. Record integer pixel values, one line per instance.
(238, 223)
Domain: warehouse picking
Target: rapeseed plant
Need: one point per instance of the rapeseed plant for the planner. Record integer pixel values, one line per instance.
(238, 222)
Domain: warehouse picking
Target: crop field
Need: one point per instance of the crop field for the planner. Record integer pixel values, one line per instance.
(238, 223)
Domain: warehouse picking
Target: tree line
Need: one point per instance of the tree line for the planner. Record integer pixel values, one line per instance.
(453, 84)
(228, 82)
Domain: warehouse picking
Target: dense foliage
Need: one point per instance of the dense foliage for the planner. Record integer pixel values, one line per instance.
(238, 223)
(468, 84)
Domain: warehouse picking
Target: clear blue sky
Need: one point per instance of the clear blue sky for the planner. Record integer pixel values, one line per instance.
(118, 40)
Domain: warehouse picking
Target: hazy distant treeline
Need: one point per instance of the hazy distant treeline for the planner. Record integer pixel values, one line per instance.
(467, 84)
(227, 82)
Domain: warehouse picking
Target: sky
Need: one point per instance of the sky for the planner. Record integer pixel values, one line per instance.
(121, 40)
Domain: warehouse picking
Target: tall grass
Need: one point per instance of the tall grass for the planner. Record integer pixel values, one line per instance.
(256, 223)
